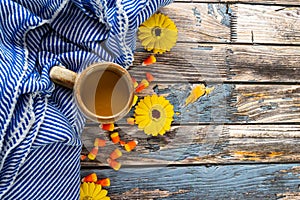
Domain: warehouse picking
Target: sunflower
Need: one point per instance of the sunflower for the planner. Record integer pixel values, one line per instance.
(154, 115)
(92, 191)
(158, 33)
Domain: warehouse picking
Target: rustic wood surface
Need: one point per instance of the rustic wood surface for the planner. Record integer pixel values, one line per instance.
(199, 22)
(205, 182)
(242, 141)
(222, 63)
(265, 24)
(202, 144)
(236, 23)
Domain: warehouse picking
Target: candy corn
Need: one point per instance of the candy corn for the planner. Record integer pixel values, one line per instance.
(99, 142)
(116, 154)
(114, 164)
(115, 138)
(129, 146)
(135, 98)
(82, 157)
(108, 127)
(130, 121)
(135, 83)
(104, 182)
(150, 60)
(149, 77)
(90, 178)
(122, 143)
(143, 84)
(93, 153)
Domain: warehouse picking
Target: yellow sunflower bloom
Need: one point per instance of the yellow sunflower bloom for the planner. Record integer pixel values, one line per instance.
(92, 191)
(159, 33)
(154, 115)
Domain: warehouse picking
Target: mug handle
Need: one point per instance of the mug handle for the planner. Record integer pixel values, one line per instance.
(63, 76)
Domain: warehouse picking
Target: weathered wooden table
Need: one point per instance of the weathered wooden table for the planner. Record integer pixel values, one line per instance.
(242, 141)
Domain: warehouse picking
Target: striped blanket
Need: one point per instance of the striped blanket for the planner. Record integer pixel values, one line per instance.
(39, 121)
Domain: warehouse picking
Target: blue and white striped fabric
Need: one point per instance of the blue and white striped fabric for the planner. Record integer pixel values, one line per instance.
(39, 122)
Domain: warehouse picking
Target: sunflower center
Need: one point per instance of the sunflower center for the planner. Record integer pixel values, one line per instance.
(156, 31)
(87, 198)
(155, 114)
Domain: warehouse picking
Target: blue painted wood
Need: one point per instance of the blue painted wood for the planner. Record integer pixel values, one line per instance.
(201, 182)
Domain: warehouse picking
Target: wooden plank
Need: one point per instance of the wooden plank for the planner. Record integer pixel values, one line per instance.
(271, 2)
(233, 103)
(218, 63)
(201, 182)
(230, 103)
(200, 22)
(202, 144)
(265, 24)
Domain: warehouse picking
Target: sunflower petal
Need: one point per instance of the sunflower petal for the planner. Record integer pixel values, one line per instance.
(162, 131)
(144, 123)
(97, 190)
(82, 194)
(91, 188)
(150, 129)
(85, 188)
(169, 108)
(147, 102)
(170, 114)
(150, 22)
(154, 99)
(167, 125)
(101, 194)
(141, 111)
(140, 118)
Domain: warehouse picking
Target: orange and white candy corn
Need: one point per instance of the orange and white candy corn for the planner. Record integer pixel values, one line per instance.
(93, 153)
(129, 146)
(116, 154)
(143, 84)
(82, 157)
(150, 60)
(108, 127)
(104, 182)
(99, 142)
(115, 138)
(135, 83)
(122, 143)
(149, 77)
(114, 164)
(90, 178)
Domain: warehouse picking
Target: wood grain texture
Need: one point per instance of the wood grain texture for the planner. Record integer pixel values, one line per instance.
(231, 103)
(200, 22)
(265, 24)
(200, 182)
(271, 2)
(205, 144)
(188, 62)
